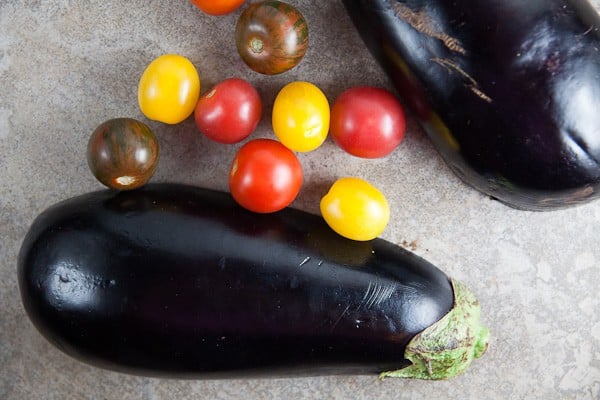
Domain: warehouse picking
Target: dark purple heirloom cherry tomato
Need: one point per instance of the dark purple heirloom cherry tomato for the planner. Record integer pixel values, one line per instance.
(122, 153)
(271, 37)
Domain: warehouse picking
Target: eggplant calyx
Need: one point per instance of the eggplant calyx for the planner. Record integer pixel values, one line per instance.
(447, 348)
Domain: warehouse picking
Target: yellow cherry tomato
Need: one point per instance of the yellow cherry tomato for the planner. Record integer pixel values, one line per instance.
(169, 89)
(301, 116)
(355, 209)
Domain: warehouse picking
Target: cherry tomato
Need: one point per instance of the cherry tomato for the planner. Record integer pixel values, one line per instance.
(217, 7)
(271, 37)
(265, 176)
(169, 89)
(300, 116)
(229, 112)
(355, 209)
(367, 122)
(122, 153)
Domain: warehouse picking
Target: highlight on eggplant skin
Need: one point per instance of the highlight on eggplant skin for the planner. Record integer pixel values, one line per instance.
(177, 281)
(508, 91)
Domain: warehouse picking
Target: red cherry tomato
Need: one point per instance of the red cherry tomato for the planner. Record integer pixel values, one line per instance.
(218, 7)
(229, 112)
(265, 176)
(367, 122)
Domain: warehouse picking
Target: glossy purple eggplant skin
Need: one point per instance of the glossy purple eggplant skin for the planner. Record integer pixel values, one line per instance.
(508, 90)
(177, 281)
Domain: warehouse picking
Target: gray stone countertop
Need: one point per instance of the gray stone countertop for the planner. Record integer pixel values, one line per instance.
(66, 66)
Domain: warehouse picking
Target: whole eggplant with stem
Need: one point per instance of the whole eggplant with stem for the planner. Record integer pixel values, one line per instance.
(177, 281)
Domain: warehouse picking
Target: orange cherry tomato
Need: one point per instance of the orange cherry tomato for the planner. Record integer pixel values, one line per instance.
(218, 7)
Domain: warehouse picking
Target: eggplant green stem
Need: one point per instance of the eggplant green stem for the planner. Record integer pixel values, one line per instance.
(447, 348)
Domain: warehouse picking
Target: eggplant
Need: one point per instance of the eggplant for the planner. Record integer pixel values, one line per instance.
(508, 91)
(178, 281)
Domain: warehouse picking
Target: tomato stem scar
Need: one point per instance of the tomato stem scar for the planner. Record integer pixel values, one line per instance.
(256, 45)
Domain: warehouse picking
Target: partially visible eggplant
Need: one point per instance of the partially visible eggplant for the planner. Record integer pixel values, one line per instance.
(508, 90)
(177, 281)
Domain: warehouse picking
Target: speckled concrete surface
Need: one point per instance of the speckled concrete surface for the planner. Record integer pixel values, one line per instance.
(66, 66)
